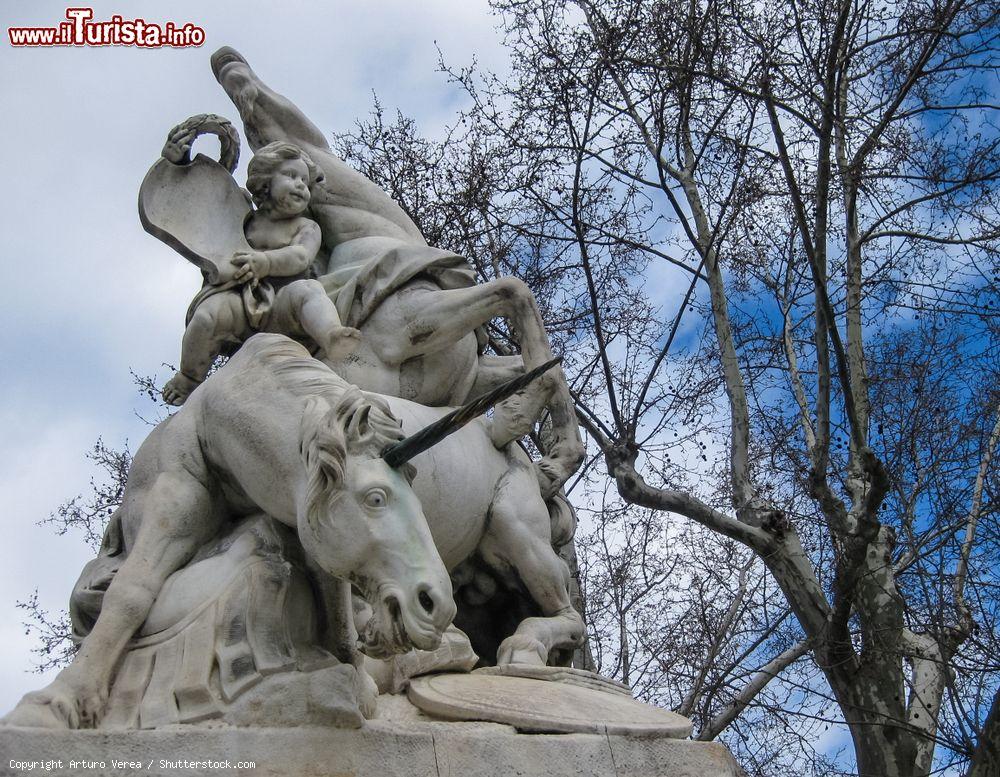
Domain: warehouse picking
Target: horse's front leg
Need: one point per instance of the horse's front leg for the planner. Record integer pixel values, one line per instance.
(518, 539)
(516, 416)
(438, 319)
(177, 518)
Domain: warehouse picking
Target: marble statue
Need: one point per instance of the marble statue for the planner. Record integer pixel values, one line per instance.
(278, 432)
(319, 528)
(411, 301)
(270, 289)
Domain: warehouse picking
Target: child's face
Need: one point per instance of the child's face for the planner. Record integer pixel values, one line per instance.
(288, 191)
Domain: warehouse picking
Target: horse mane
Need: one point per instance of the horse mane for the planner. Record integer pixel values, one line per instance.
(338, 419)
(293, 368)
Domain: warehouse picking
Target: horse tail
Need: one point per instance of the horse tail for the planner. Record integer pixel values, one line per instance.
(88, 594)
(562, 520)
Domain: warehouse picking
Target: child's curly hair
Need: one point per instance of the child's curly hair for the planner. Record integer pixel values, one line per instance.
(267, 160)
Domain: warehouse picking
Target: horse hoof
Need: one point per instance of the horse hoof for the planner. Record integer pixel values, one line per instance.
(34, 714)
(367, 692)
(519, 649)
(551, 476)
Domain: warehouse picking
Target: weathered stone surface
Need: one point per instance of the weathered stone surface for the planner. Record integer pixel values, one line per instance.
(277, 432)
(542, 706)
(281, 431)
(392, 675)
(561, 674)
(402, 742)
(198, 209)
(375, 251)
(325, 697)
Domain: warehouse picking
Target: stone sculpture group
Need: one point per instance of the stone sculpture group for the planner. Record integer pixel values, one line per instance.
(316, 524)
(292, 438)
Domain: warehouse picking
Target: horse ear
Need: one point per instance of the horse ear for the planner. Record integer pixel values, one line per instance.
(360, 430)
(353, 413)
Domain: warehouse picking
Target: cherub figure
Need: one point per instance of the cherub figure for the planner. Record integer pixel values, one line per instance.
(271, 289)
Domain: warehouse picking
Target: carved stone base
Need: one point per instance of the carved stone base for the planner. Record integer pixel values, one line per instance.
(402, 742)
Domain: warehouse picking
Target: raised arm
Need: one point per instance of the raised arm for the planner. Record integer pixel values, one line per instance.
(267, 116)
(346, 203)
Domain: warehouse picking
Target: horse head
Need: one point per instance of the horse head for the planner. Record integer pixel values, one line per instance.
(361, 521)
(359, 518)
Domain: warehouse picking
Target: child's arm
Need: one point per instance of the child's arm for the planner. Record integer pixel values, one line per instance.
(292, 259)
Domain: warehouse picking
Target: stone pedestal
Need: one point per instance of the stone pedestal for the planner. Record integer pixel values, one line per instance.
(402, 743)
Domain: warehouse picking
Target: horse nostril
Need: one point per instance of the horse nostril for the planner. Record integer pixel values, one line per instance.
(426, 602)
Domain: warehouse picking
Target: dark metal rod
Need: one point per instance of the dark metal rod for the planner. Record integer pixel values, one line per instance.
(416, 443)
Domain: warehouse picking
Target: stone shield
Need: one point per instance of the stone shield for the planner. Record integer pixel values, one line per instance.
(199, 210)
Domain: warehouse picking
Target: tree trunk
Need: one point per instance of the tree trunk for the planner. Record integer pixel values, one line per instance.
(883, 750)
(986, 758)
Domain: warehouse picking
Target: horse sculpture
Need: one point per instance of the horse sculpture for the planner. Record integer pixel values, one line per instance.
(417, 306)
(273, 431)
(277, 431)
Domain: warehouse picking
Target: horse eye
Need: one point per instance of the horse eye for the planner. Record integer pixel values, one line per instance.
(376, 498)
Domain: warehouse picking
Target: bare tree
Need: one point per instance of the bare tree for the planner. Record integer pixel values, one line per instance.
(86, 516)
(821, 180)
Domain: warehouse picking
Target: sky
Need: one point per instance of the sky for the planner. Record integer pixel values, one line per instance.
(87, 294)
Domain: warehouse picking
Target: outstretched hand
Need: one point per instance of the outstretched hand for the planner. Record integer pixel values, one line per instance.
(177, 149)
(253, 266)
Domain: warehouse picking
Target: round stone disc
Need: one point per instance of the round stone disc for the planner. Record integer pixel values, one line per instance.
(542, 706)
(561, 674)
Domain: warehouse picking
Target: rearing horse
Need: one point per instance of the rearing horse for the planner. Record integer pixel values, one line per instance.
(415, 305)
